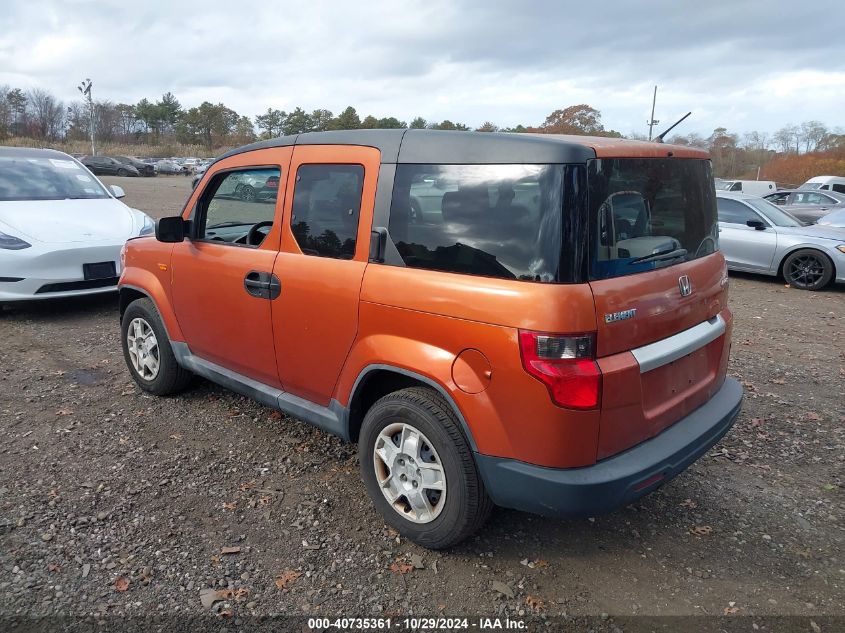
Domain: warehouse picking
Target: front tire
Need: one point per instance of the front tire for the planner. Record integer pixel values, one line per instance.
(122, 172)
(807, 269)
(147, 351)
(418, 469)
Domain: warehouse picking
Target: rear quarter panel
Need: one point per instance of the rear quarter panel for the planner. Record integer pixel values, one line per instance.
(421, 320)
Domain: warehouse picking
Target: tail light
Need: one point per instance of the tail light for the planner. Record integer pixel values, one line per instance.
(272, 182)
(565, 364)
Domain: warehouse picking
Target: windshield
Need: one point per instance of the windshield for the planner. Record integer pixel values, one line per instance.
(776, 216)
(648, 213)
(36, 178)
(812, 185)
(723, 185)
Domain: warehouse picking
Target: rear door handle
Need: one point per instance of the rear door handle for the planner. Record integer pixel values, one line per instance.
(262, 284)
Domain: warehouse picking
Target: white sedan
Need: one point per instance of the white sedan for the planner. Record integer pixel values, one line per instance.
(61, 230)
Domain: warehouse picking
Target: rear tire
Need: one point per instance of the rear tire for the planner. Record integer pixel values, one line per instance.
(807, 269)
(440, 448)
(147, 351)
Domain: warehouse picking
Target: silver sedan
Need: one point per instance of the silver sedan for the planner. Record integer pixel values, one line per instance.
(808, 205)
(756, 236)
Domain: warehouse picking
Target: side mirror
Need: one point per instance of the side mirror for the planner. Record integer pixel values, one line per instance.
(117, 192)
(170, 230)
(757, 225)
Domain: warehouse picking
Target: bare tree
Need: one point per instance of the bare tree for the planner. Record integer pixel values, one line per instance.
(6, 114)
(811, 134)
(47, 114)
(786, 137)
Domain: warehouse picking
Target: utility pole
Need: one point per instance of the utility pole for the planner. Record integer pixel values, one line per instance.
(652, 121)
(85, 88)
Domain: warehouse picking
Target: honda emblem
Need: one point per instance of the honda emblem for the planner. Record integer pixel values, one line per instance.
(685, 286)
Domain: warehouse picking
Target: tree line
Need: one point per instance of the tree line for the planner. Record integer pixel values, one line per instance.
(38, 115)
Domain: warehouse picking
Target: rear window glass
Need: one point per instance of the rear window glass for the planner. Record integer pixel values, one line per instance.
(489, 220)
(649, 213)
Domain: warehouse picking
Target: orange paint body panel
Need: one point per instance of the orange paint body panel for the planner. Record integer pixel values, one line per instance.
(220, 321)
(315, 320)
(607, 147)
(512, 417)
(661, 310)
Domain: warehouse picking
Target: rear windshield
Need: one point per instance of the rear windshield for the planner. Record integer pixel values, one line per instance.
(30, 178)
(648, 213)
(489, 220)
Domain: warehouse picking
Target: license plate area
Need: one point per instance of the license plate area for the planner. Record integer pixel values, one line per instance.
(99, 270)
(673, 390)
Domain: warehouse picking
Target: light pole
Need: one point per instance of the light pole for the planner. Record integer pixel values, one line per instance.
(85, 88)
(652, 121)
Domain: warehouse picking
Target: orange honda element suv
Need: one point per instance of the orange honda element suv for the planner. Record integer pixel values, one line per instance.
(537, 322)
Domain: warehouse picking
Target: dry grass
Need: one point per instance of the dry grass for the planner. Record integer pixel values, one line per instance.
(117, 149)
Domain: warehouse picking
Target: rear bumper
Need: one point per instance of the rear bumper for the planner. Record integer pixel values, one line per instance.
(618, 480)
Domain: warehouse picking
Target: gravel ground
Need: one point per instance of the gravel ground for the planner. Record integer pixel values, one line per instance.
(113, 502)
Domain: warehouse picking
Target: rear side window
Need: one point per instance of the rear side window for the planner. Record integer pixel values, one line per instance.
(489, 220)
(326, 209)
(809, 197)
(647, 213)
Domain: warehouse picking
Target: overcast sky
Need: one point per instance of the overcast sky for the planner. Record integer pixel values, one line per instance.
(745, 65)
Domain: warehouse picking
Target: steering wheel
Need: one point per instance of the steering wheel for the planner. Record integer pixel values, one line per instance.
(254, 236)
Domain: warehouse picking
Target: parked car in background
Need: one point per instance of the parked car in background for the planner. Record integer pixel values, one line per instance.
(169, 167)
(826, 183)
(758, 237)
(191, 163)
(753, 187)
(198, 173)
(145, 169)
(108, 166)
(563, 354)
(834, 219)
(808, 205)
(61, 230)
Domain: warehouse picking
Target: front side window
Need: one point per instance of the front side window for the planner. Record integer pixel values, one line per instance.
(27, 178)
(326, 209)
(239, 206)
(647, 213)
(776, 216)
(734, 212)
(490, 220)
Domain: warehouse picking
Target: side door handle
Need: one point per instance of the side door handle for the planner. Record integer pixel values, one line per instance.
(262, 285)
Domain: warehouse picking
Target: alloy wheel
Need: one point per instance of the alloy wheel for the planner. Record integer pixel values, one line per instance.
(247, 193)
(805, 271)
(143, 349)
(409, 472)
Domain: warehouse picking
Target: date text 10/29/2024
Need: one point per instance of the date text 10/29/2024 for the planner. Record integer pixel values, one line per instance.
(416, 624)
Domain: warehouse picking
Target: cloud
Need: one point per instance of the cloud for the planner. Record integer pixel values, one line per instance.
(749, 65)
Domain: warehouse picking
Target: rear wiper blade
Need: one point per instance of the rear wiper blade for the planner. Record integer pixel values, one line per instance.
(671, 253)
